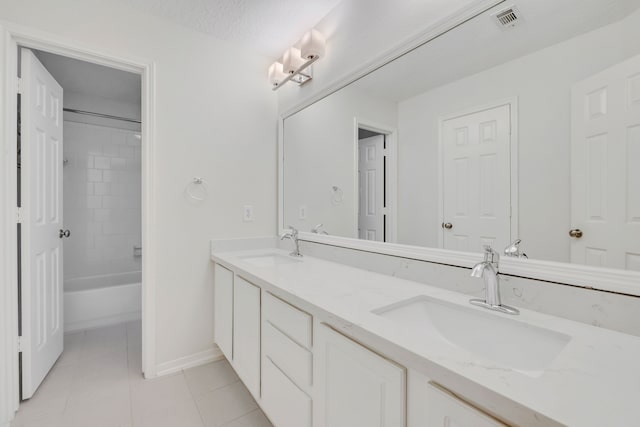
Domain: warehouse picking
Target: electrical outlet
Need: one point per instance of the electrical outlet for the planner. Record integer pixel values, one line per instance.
(302, 212)
(247, 213)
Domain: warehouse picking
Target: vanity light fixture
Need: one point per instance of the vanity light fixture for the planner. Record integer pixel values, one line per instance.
(296, 63)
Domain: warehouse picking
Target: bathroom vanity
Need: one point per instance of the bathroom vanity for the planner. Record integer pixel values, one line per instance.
(319, 344)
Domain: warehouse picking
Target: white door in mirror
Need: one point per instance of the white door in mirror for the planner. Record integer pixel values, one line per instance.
(477, 179)
(605, 172)
(42, 275)
(371, 188)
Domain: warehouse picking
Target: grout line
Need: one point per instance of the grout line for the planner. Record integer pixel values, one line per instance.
(243, 415)
(126, 337)
(75, 375)
(193, 398)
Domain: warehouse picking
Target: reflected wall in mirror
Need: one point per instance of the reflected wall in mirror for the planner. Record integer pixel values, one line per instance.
(485, 135)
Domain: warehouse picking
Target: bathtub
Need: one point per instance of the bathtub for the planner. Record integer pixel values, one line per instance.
(92, 302)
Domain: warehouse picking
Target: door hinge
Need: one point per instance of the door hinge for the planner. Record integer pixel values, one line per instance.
(20, 345)
(19, 85)
(19, 215)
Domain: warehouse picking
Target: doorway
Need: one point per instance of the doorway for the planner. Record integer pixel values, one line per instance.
(80, 197)
(375, 182)
(10, 331)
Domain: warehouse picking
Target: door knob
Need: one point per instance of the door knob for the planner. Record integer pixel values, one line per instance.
(64, 233)
(447, 225)
(576, 233)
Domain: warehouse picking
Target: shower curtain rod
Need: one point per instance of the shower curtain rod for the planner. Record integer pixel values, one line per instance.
(106, 116)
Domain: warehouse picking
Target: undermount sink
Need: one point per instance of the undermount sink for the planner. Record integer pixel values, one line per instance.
(269, 260)
(512, 344)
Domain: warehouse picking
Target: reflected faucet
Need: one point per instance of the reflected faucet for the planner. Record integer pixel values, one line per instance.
(513, 250)
(318, 229)
(292, 234)
(488, 269)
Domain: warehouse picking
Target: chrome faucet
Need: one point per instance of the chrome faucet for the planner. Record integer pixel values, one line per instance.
(513, 250)
(488, 269)
(292, 234)
(318, 229)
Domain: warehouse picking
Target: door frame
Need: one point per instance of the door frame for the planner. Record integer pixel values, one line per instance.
(391, 178)
(11, 37)
(513, 160)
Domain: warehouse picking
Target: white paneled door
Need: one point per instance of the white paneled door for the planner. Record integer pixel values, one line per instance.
(371, 188)
(476, 193)
(605, 168)
(41, 175)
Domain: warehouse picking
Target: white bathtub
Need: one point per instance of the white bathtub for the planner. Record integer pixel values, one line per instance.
(92, 302)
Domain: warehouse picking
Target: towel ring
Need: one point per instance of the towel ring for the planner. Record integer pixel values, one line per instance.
(194, 185)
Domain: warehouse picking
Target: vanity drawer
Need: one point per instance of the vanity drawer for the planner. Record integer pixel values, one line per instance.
(445, 409)
(292, 359)
(292, 322)
(284, 403)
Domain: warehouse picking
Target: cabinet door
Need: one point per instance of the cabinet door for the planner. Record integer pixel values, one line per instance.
(283, 402)
(356, 387)
(444, 410)
(246, 334)
(223, 310)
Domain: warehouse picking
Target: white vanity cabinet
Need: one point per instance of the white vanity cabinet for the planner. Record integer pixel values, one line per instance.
(287, 363)
(246, 333)
(223, 310)
(445, 410)
(304, 373)
(355, 386)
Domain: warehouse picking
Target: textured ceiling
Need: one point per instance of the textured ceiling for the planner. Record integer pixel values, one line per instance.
(265, 26)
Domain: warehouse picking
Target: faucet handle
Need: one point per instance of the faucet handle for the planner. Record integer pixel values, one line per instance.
(293, 230)
(513, 250)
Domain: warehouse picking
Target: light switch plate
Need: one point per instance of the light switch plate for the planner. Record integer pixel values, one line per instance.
(247, 213)
(302, 212)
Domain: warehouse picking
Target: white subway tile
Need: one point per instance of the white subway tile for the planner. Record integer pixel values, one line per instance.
(94, 175)
(102, 163)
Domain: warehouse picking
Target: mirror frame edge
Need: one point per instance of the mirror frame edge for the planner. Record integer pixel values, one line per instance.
(617, 281)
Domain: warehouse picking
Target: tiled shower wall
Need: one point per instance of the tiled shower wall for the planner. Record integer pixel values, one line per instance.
(102, 200)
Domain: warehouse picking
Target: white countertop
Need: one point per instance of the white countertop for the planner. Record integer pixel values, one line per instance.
(594, 381)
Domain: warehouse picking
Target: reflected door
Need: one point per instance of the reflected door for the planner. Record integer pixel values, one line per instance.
(371, 188)
(605, 168)
(476, 189)
(41, 115)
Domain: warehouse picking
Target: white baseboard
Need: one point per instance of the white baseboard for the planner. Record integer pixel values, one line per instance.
(186, 362)
(102, 321)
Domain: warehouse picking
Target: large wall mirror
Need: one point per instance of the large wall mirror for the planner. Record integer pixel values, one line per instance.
(521, 123)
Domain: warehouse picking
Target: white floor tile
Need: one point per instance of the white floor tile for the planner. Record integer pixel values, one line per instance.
(160, 392)
(252, 419)
(182, 414)
(225, 404)
(97, 382)
(211, 376)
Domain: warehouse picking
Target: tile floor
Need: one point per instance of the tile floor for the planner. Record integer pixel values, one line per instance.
(97, 382)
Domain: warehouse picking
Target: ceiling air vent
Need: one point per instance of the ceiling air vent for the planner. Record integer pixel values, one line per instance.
(508, 18)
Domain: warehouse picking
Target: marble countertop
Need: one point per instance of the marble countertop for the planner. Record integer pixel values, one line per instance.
(594, 381)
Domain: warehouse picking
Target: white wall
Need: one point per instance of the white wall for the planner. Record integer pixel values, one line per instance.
(215, 118)
(359, 31)
(102, 200)
(542, 82)
(319, 152)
